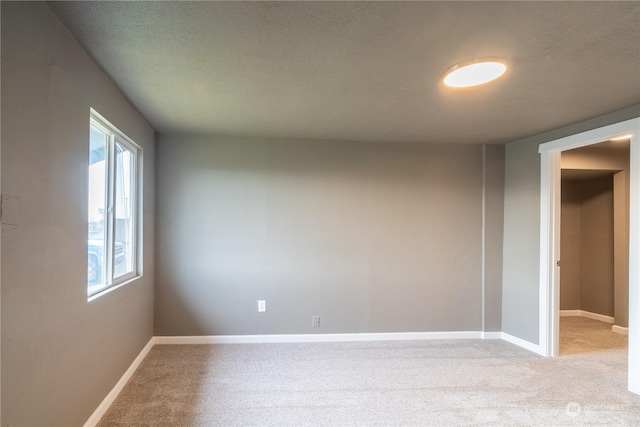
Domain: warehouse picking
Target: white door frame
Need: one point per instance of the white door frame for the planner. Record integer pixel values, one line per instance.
(550, 238)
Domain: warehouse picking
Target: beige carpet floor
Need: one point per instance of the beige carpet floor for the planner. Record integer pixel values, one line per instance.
(582, 335)
(438, 383)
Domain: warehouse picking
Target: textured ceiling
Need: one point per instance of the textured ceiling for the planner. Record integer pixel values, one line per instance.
(363, 71)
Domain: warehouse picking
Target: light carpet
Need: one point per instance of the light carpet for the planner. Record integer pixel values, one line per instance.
(582, 335)
(438, 383)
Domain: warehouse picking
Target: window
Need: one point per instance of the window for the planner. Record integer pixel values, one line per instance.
(114, 165)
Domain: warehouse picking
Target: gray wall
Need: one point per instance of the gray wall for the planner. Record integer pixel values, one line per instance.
(61, 355)
(521, 241)
(570, 244)
(371, 237)
(521, 265)
(587, 238)
(596, 250)
(621, 220)
(494, 216)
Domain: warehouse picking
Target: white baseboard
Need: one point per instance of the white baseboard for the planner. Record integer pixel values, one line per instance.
(492, 335)
(596, 316)
(522, 343)
(570, 313)
(588, 315)
(94, 419)
(299, 338)
(620, 329)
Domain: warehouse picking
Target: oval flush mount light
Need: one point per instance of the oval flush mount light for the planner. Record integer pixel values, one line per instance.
(475, 72)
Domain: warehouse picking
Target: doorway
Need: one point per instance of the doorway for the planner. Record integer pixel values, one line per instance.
(594, 247)
(550, 237)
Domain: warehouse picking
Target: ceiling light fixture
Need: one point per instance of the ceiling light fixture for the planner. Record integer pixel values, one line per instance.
(475, 72)
(622, 137)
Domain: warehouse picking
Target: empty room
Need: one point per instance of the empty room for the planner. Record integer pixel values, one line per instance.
(320, 213)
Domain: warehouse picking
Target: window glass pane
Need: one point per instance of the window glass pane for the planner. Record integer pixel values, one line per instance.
(113, 221)
(123, 247)
(96, 274)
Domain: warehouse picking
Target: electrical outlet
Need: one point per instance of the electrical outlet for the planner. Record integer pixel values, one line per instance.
(315, 321)
(262, 306)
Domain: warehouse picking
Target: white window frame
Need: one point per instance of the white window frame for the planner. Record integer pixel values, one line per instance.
(115, 136)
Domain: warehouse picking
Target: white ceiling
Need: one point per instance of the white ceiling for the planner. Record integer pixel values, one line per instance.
(363, 71)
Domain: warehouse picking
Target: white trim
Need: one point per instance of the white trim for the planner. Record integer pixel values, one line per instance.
(307, 338)
(620, 329)
(522, 343)
(492, 335)
(484, 240)
(300, 338)
(116, 137)
(110, 128)
(588, 315)
(593, 136)
(596, 316)
(550, 241)
(94, 419)
(112, 288)
(549, 224)
(570, 313)
(634, 261)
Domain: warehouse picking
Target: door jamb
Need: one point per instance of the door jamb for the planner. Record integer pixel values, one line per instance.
(550, 239)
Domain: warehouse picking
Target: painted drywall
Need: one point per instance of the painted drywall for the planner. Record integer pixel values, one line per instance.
(61, 355)
(370, 237)
(587, 246)
(494, 216)
(521, 241)
(570, 244)
(621, 219)
(596, 157)
(596, 250)
(521, 265)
